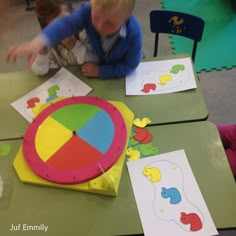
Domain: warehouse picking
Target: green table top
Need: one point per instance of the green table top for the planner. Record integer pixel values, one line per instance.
(160, 109)
(14, 86)
(68, 212)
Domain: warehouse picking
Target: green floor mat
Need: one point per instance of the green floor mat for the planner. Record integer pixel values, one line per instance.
(217, 49)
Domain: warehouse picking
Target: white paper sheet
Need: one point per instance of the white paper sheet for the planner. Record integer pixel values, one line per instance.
(159, 77)
(62, 84)
(168, 197)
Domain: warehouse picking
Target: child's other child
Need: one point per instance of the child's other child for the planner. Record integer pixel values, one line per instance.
(69, 51)
(228, 137)
(112, 30)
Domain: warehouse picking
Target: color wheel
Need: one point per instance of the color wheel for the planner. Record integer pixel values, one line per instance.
(75, 140)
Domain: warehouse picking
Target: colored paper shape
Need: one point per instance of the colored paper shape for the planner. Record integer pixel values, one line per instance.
(132, 154)
(32, 102)
(177, 68)
(148, 87)
(192, 219)
(141, 123)
(148, 149)
(171, 193)
(142, 135)
(52, 91)
(5, 149)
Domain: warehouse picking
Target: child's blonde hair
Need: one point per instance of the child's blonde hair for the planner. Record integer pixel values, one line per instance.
(125, 7)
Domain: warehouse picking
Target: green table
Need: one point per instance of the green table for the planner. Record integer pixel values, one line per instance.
(68, 212)
(161, 109)
(14, 86)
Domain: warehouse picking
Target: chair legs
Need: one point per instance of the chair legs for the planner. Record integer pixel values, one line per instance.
(156, 45)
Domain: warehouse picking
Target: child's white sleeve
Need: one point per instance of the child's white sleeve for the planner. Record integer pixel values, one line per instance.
(79, 52)
(40, 65)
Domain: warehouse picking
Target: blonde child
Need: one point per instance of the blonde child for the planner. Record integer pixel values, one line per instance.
(112, 30)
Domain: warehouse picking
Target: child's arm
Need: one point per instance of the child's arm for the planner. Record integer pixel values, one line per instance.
(29, 50)
(40, 65)
(65, 27)
(129, 64)
(130, 59)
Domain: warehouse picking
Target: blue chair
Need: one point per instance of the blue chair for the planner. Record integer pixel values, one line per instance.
(177, 23)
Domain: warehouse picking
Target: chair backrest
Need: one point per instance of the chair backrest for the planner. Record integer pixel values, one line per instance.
(177, 23)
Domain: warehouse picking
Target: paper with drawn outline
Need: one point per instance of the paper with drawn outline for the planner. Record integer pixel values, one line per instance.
(62, 84)
(168, 197)
(160, 77)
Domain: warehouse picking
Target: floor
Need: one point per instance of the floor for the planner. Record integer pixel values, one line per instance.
(218, 87)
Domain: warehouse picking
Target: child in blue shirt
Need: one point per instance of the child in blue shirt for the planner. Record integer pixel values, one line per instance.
(112, 31)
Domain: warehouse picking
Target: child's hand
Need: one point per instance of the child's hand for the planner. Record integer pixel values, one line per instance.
(28, 50)
(90, 70)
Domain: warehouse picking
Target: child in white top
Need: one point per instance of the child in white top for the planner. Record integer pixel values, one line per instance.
(71, 51)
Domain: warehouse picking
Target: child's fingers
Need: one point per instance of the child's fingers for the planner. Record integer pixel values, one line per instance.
(90, 70)
(24, 50)
(14, 58)
(85, 68)
(14, 52)
(30, 60)
(11, 54)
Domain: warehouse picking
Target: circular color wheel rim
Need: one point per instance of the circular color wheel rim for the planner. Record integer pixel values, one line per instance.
(84, 174)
